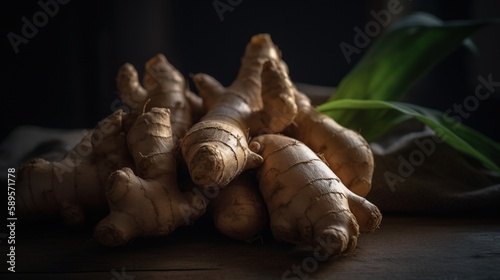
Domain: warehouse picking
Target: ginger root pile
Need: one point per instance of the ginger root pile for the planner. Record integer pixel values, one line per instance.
(258, 147)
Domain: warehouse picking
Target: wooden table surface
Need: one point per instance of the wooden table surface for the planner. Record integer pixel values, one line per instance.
(403, 248)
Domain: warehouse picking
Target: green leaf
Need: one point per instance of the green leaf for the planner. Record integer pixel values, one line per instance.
(457, 135)
(399, 58)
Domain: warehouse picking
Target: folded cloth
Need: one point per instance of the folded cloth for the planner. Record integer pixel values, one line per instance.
(27, 142)
(418, 173)
(414, 171)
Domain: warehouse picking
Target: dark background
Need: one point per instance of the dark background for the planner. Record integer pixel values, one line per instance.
(64, 77)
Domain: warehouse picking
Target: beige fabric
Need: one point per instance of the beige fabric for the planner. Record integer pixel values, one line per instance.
(417, 173)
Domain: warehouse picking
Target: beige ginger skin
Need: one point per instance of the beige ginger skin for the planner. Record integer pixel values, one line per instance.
(306, 201)
(150, 202)
(261, 98)
(346, 152)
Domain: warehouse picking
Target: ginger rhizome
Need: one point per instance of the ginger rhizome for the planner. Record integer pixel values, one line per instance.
(238, 210)
(164, 87)
(346, 152)
(153, 165)
(150, 202)
(74, 183)
(78, 180)
(307, 202)
(261, 98)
